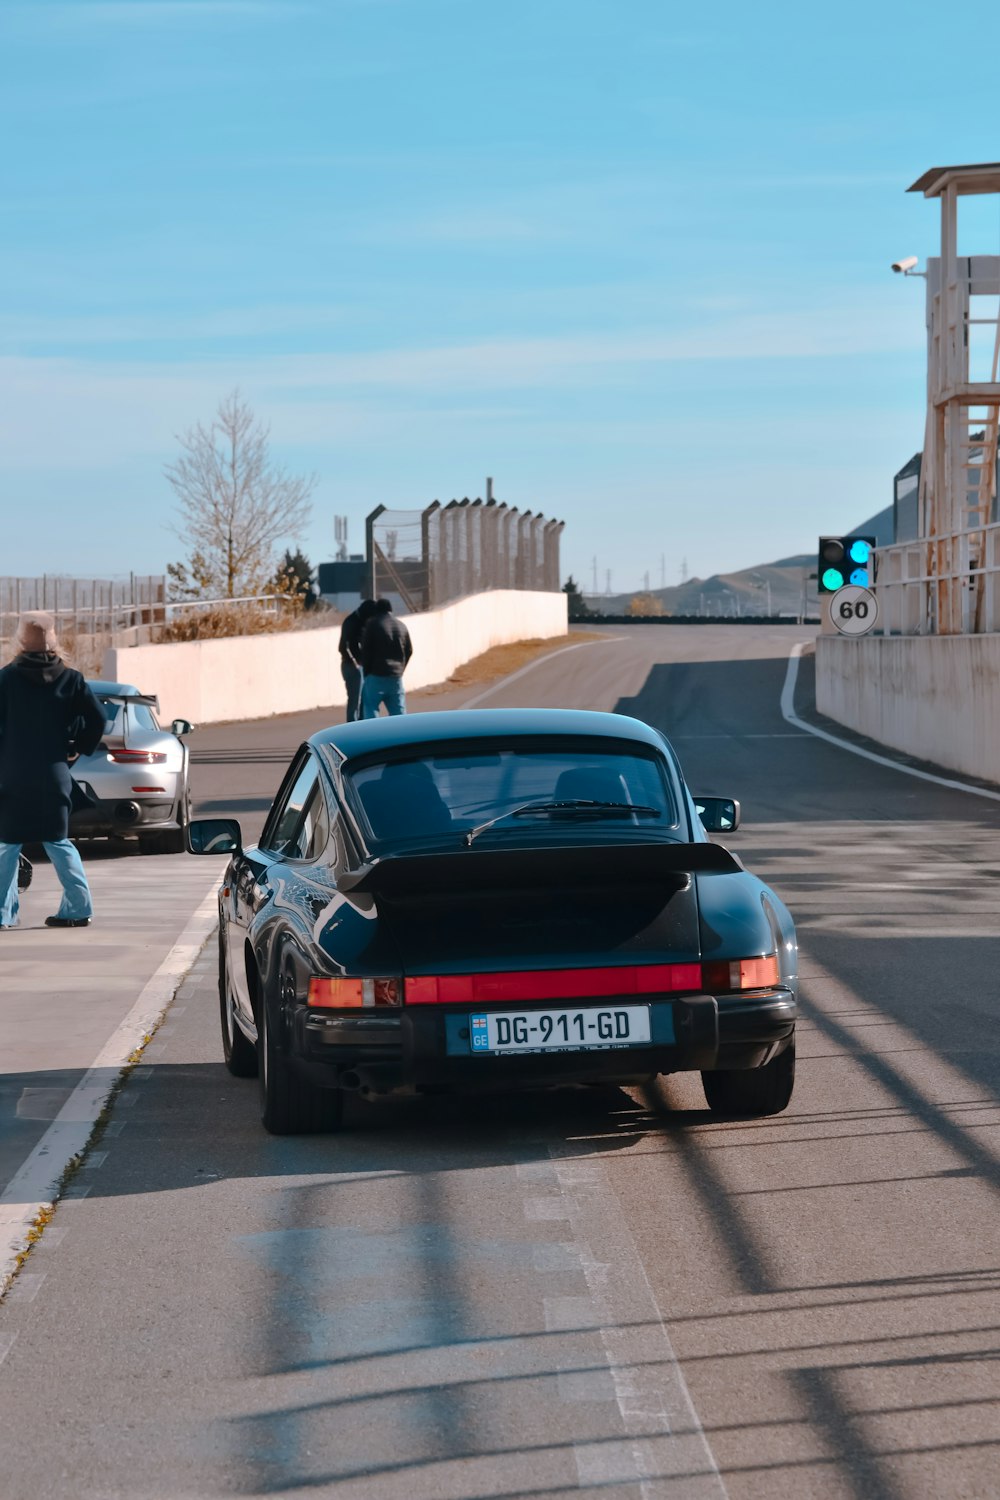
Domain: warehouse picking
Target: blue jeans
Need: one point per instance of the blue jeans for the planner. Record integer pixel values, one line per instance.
(67, 864)
(378, 690)
(352, 682)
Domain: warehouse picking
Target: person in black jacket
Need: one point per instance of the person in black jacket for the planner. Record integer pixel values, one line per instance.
(48, 716)
(351, 632)
(385, 650)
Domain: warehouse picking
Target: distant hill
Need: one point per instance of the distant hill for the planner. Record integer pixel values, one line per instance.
(772, 588)
(744, 592)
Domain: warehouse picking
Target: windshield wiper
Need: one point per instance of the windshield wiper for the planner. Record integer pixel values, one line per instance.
(575, 807)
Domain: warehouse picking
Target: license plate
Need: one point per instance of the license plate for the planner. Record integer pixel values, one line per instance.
(559, 1030)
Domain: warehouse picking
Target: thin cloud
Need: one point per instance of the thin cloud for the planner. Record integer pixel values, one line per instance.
(224, 324)
(104, 406)
(144, 12)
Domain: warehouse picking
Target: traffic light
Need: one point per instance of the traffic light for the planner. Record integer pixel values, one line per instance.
(844, 559)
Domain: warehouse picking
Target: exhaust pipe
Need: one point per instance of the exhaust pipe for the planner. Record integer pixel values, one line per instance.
(127, 813)
(350, 1080)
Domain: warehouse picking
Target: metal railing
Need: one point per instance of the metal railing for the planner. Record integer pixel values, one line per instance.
(943, 585)
(92, 615)
(428, 558)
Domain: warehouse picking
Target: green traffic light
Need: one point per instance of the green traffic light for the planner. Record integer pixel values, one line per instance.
(833, 579)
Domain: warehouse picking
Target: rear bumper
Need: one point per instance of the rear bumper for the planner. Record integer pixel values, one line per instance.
(109, 818)
(427, 1048)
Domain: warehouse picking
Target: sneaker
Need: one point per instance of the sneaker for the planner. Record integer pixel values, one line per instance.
(67, 921)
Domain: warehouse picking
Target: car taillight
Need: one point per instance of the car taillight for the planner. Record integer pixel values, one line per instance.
(137, 757)
(340, 994)
(525, 985)
(724, 976)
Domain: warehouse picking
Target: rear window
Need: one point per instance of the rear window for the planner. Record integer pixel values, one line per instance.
(142, 716)
(435, 796)
(112, 712)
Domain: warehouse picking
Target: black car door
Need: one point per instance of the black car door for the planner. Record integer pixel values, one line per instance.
(293, 827)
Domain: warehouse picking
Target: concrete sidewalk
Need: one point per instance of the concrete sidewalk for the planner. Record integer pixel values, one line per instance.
(63, 992)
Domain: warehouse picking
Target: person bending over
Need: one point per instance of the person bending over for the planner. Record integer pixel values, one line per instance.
(385, 652)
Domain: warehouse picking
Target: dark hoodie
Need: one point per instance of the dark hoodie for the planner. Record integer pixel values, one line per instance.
(47, 713)
(385, 646)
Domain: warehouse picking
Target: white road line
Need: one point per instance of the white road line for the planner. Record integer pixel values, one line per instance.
(790, 716)
(27, 1286)
(664, 1450)
(6, 1345)
(33, 1188)
(540, 661)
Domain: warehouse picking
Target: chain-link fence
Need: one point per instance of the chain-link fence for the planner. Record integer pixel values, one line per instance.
(427, 558)
(91, 614)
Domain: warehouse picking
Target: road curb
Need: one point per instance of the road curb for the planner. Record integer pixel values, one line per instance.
(34, 1188)
(791, 717)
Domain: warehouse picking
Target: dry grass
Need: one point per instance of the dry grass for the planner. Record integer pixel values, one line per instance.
(500, 662)
(234, 619)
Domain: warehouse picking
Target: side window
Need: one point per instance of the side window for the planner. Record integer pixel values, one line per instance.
(315, 829)
(299, 825)
(341, 859)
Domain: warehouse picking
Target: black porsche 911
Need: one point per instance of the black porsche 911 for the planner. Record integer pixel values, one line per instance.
(496, 899)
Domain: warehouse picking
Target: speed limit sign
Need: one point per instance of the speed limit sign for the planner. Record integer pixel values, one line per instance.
(853, 610)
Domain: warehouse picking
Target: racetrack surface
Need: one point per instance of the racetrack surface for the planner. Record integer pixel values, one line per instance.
(595, 1290)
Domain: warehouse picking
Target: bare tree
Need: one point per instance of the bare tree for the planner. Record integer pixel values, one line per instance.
(234, 504)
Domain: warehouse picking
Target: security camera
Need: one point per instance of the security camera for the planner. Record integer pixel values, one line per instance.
(905, 265)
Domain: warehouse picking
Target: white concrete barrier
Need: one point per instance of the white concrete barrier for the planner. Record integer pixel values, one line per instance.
(255, 676)
(933, 697)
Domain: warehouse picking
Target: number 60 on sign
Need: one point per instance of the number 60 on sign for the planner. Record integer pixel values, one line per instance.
(853, 610)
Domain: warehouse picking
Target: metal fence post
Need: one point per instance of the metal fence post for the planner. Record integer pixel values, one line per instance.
(370, 550)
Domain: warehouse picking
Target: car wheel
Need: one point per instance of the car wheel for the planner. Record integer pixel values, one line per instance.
(752, 1092)
(290, 1105)
(239, 1052)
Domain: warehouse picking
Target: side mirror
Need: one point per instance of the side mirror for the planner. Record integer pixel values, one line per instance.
(718, 814)
(181, 726)
(214, 836)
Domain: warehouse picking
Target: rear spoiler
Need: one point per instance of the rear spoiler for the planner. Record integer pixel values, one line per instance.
(465, 870)
(149, 698)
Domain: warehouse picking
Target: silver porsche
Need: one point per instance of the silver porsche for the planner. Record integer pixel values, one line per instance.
(136, 783)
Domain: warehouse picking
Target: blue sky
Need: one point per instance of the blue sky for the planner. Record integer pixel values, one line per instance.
(629, 258)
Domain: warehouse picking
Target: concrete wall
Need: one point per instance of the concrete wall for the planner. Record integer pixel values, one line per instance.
(933, 697)
(259, 675)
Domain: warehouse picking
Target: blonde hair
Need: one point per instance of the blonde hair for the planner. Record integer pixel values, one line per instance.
(36, 631)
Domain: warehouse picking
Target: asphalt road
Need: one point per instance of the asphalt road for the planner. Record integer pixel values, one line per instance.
(601, 1290)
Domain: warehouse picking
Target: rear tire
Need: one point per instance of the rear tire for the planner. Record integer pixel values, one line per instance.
(751, 1092)
(290, 1105)
(239, 1052)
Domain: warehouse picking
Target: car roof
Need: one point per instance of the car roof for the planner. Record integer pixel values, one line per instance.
(413, 730)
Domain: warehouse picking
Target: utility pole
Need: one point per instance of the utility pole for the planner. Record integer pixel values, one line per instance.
(608, 577)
